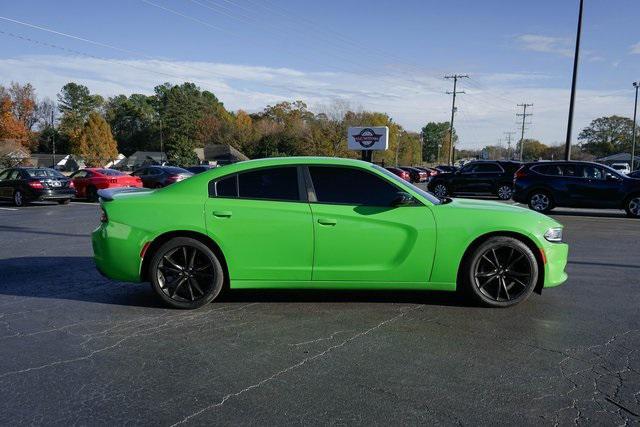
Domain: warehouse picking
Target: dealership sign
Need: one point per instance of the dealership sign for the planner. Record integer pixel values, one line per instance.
(368, 138)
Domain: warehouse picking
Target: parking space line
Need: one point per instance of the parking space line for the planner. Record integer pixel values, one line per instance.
(9, 209)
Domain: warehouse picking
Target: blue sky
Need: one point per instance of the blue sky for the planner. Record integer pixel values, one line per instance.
(384, 55)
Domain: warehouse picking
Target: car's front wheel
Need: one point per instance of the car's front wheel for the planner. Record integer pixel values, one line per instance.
(633, 206)
(540, 201)
(186, 273)
(501, 272)
(440, 190)
(504, 192)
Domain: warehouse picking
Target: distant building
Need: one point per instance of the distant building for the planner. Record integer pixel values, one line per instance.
(142, 158)
(619, 158)
(223, 154)
(62, 162)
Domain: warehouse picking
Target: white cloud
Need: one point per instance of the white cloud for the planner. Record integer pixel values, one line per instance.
(548, 44)
(635, 48)
(412, 98)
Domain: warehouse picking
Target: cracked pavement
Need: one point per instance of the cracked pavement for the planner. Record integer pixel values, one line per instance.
(76, 348)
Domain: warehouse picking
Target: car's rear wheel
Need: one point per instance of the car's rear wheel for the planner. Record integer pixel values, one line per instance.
(540, 201)
(186, 273)
(18, 198)
(504, 192)
(92, 194)
(633, 206)
(501, 272)
(440, 190)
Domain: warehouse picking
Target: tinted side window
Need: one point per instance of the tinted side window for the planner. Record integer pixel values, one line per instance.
(592, 172)
(553, 170)
(227, 187)
(571, 170)
(487, 167)
(4, 174)
(272, 183)
(351, 186)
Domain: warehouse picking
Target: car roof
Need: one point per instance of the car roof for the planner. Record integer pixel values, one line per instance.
(300, 160)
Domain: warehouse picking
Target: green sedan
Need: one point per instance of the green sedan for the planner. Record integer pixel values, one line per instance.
(321, 223)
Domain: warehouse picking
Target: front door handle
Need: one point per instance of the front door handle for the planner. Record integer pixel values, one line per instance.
(327, 221)
(222, 214)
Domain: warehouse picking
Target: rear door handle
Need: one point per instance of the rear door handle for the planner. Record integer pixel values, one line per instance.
(222, 214)
(327, 221)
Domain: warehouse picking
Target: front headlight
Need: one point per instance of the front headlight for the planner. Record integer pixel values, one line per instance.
(554, 235)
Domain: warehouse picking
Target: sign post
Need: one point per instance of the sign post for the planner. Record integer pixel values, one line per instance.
(367, 140)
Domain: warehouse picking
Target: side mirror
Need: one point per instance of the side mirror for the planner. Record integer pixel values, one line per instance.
(403, 199)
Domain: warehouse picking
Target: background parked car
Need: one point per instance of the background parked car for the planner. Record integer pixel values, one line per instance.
(199, 168)
(477, 177)
(429, 171)
(24, 185)
(161, 176)
(416, 175)
(621, 167)
(544, 186)
(88, 181)
(399, 172)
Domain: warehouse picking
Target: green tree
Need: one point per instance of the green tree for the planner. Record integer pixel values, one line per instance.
(533, 150)
(607, 135)
(75, 102)
(96, 144)
(134, 122)
(434, 135)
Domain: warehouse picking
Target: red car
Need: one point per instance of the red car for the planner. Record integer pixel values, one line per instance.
(89, 181)
(402, 174)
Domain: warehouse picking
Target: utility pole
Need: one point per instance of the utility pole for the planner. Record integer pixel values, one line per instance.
(509, 135)
(455, 78)
(567, 146)
(633, 138)
(161, 145)
(524, 116)
(53, 141)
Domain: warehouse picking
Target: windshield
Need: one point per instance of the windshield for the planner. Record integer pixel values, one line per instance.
(44, 173)
(433, 199)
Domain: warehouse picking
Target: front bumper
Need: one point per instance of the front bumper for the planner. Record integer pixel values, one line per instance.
(554, 269)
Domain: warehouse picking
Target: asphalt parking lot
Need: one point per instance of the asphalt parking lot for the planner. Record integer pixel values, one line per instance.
(76, 348)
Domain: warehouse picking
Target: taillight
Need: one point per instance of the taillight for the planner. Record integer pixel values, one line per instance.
(113, 181)
(520, 173)
(103, 215)
(36, 184)
(71, 184)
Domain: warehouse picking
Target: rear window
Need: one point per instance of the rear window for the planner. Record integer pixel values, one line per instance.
(271, 184)
(44, 173)
(110, 172)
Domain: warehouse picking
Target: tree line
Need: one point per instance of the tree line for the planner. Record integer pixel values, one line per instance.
(182, 117)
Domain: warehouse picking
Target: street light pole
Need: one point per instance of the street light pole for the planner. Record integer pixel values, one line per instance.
(567, 147)
(633, 138)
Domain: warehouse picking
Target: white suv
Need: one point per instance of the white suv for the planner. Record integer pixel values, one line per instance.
(622, 167)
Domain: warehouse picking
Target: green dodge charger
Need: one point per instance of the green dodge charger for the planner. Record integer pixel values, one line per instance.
(321, 223)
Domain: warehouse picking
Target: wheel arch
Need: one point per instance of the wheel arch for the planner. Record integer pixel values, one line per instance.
(519, 236)
(165, 237)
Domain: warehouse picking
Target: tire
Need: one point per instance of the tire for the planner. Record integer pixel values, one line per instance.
(540, 201)
(18, 199)
(501, 272)
(440, 190)
(504, 191)
(92, 194)
(182, 279)
(64, 202)
(632, 206)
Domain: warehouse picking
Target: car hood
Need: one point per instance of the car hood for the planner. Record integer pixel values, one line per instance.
(489, 207)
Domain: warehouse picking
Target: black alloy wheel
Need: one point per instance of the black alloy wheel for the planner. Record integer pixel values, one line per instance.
(502, 272)
(186, 274)
(440, 190)
(633, 206)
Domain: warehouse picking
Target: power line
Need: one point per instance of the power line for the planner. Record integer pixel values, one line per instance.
(524, 116)
(455, 78)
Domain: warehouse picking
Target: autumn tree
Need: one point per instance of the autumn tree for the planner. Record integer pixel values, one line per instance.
(95, 142)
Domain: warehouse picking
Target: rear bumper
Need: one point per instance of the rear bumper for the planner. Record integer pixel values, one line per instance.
(116, 252)
(66, 193)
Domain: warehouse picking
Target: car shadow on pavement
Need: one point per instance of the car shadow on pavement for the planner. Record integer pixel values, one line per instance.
(76, 278)
(19, 229)
(589, 213)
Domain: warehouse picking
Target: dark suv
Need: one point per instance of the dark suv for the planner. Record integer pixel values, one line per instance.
(545, 185)
(477, 177)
